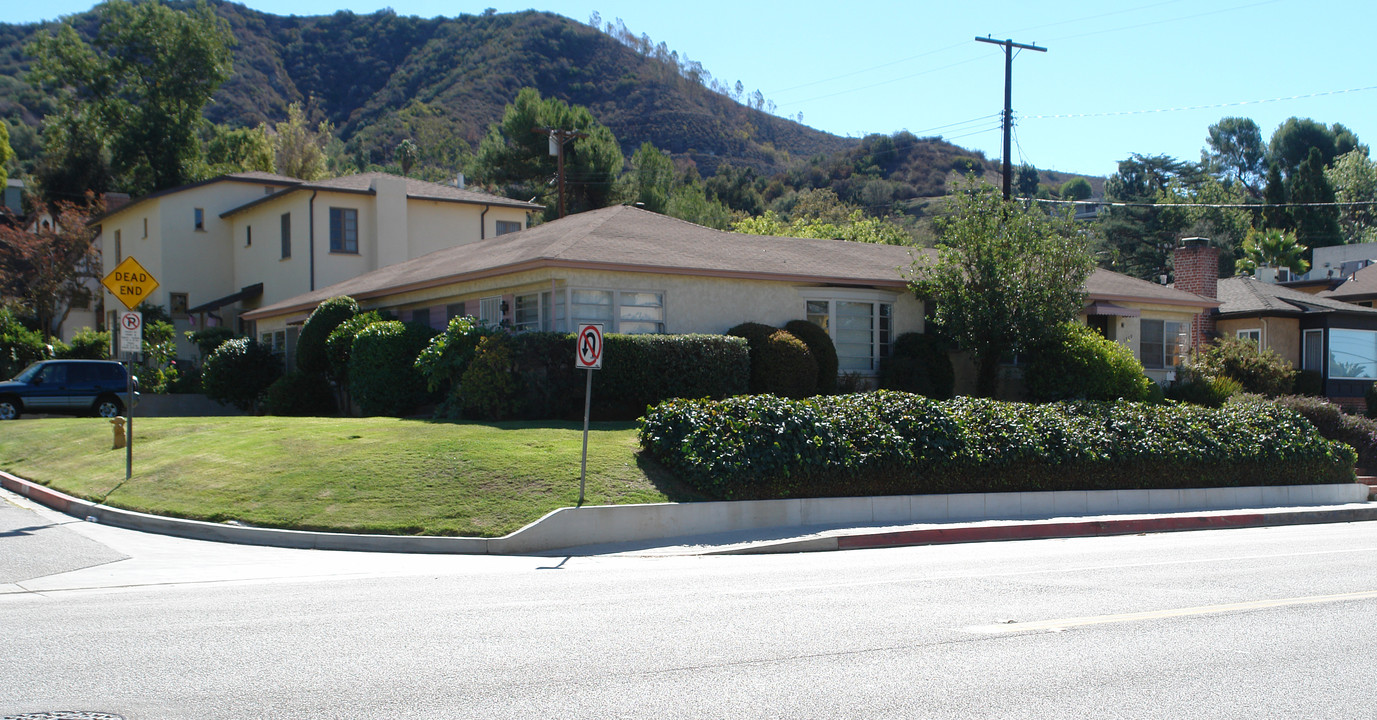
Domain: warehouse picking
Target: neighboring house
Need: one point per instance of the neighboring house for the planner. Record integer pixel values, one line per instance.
(1318, 333)
(240, 241)
(1359, 288)
(640, 272)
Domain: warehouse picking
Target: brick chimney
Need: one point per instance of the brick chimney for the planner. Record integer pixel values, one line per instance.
(1197, 271)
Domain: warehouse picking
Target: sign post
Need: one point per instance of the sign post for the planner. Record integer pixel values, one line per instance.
(587, 355)
(131, 285)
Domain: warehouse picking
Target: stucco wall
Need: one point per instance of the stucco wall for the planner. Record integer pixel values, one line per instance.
(1281, 335)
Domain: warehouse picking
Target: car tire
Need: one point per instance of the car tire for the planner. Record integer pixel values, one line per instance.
(109, 406)
(9, 409)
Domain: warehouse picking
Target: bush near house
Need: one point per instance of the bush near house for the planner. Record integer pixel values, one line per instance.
(340, 344)
(1259, 371)
(20, 347)
(1078, 363)
(789, 368)
(239, 372)
(300, 394)
(310, 344)
(823, 349)
(383, 378)
(1333, 423)
(918, 364)
(209, 339)
(87, 344)
(886, 443)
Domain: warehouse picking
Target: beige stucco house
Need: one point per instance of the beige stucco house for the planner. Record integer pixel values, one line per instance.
(640, 272)
(245, 240)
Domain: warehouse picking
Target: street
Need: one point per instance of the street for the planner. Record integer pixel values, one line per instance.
(1270, 622)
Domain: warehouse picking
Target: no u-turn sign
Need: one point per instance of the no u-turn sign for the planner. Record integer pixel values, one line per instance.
(588, 354)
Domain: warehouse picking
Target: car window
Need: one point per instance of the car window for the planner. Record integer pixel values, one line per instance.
(28, 373)
(110, 372)
(80, 373)
(55, 374)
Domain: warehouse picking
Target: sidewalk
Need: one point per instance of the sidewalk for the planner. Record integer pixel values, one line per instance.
(845, 531)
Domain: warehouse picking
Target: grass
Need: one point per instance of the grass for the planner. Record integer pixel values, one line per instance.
(369, 475)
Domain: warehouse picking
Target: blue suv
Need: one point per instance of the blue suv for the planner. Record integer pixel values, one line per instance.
(71, 387)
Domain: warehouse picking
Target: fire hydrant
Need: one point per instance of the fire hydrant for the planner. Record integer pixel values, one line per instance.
(118, 422)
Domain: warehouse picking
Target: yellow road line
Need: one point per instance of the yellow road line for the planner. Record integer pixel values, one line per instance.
(1064, 623)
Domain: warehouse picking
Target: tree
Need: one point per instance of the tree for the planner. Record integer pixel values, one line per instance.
(6, 153)
(239, 150)
(690, 202)
(1273, 249)
(1004, 278)
(299, 151)
(1316, 218)
(47, 269)
(1354, 178)
(1138, 237)
(1026, 181)
(651, 179)
(1291, 143)
(1274, 194)
(140, 85)
(1235, 152)
(406, 155)
(516, 158)
(1076, 189)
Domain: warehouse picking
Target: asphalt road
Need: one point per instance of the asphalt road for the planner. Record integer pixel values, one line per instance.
(1237, 623)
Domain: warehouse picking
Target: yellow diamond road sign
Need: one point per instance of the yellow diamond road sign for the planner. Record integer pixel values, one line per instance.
(130, 283)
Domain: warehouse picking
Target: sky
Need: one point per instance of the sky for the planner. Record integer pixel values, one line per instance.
(1123, 77)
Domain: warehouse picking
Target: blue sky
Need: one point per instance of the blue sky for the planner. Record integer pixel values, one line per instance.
(1145, 76)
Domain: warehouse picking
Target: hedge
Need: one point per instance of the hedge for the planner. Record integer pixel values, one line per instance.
(1359, 433)
(310, 343)
(383, 379)
(239, 372)
(893, 443)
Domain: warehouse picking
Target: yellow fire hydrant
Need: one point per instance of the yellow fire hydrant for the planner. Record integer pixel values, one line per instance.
(118, 422)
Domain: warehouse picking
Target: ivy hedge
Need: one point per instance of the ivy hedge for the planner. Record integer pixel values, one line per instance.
(894, 443)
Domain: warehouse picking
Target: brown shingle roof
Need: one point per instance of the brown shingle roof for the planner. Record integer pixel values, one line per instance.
(630, 239)
(1250, 296)
(1361, 286)
(1108, 285)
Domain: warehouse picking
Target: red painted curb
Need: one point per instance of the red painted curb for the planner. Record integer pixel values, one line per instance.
(35, 492)
(1035, 531)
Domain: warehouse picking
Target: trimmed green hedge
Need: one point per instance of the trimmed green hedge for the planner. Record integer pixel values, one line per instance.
(892, 443)
(383, 378)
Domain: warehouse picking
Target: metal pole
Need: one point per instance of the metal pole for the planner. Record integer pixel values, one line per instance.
(587, 403)
(129, 421)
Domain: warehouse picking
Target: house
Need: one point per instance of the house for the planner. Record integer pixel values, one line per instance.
(640, 272)
(244, 240)
(1314, 332)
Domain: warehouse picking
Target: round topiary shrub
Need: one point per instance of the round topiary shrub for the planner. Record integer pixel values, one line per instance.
(310, 344)
(1078, 363)
(239, 372)
(824, 351)
(383, 378)
(918, 364)
(487, 390)
(208, 339)
(340, 344)
(300, 394)
(756, 335)
(787, 366)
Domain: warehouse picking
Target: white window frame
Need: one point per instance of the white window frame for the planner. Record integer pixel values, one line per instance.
(1254, 334)
(540, 311)
(1160, 363)
(490, 311)
(879, 345)
(559, 310)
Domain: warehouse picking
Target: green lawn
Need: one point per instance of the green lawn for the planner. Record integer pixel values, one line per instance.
(373, 475)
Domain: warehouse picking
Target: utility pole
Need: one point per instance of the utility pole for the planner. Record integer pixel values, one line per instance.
(557, 139)
(1009, 46)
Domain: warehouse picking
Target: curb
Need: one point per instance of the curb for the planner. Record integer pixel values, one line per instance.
(1056, 530)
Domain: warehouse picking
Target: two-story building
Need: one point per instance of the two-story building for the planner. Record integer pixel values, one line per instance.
(221, 247)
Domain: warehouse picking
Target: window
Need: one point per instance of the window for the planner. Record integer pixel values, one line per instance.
(286, 235)
(178, 304)
(1161, 344)
(527, 312)
(507, 226)
(1312, 357)
(344, 230)
(490, 311)
(421, 316)
(119, 250)
(1352, 354)
(200, 218)
(640, 313)
(248, 236)
(860, 327)
(590, 306)
(1252, 334)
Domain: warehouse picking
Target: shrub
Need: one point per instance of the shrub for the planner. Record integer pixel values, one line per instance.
(896, 443)
(756, 335)
(1309, 382)
(1078, 363)
(310, 344)
(160, 370)
(87, 344)
(340, 344)
(789, 370)
(20, 347)
(300, 394)
(239, 372)
(443, 361)
(918, 364)
(1259, 371)
(1334, 424)
(823, 349)
(208, 339)
(487, 390)
(383, 378)
(1370, 400)
(1203, 390)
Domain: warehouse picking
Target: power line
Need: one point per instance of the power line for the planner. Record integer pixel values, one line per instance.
(1199, 107)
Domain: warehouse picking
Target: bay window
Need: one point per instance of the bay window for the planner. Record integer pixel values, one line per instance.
(859, 323)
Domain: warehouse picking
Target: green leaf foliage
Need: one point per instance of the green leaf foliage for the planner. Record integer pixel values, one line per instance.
(1359, 433)
(1256, 370)
(20, 347)
(448, 355)
(823, 350)
(208, 339)
(87, 344)
(383, 378)
(919, 364)
(340, 344)
(889, 443)
(1080, 364)
(756, 335)
(300, 394)
(239, 372)
(487, 389)
(788, 366)
(310, 344)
